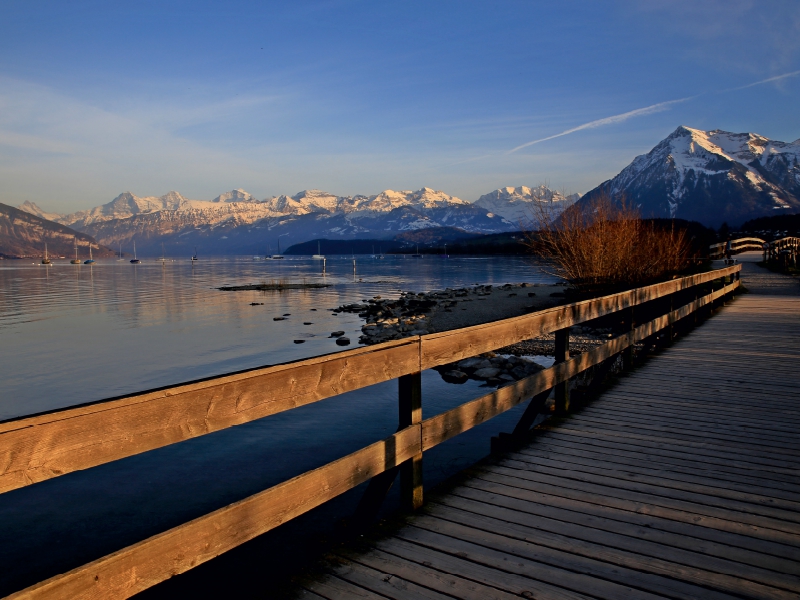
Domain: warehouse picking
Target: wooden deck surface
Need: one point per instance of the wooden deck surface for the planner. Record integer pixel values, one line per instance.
(681, 481)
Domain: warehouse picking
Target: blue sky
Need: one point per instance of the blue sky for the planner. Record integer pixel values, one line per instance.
(351, 97)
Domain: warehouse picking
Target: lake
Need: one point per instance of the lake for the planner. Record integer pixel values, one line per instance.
(76, 333)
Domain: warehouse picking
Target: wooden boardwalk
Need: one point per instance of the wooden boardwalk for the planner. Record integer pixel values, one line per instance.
(681, 481)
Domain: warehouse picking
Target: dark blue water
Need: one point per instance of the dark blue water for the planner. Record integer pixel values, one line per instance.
(73, 334)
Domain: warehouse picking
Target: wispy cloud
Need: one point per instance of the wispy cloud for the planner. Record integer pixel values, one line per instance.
(647, 110)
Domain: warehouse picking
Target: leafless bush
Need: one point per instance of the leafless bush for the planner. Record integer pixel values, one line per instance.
(605, 245)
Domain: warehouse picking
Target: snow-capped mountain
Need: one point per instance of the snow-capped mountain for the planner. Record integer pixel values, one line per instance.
(123, 206)
(236, 221)
(711, 177)
(520, 205)
(33, 209)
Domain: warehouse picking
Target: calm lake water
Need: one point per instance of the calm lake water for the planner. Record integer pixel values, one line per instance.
(76, 333)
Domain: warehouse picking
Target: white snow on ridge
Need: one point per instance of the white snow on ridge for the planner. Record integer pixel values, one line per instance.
(517, 205)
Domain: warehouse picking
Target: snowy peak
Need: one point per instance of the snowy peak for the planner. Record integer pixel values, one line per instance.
(237, 195)
(123, 206)
(33, 209)
(518, 205)
(712, 176)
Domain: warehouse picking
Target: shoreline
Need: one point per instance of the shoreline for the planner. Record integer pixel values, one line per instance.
(455, 308)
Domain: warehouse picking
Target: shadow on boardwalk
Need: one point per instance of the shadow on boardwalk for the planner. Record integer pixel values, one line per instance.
(680, 481)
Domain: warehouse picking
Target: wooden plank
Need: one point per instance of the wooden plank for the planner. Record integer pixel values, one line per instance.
(34, 449)
(742, 400)
(720, 448)
(389, 586)
(695, 470)
(575, 430)
(629, 531)
(661, 452)
(581, 574)
(694, 533)
(669, 405)
(668, 571)
(142, 565)
(524, 586)
(333, 588)
(668, 479)
(725, 432)
(754, 447)
(447, 583)
(764, 526)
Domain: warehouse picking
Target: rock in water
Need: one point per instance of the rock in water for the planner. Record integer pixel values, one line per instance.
(455, 376)
(299, 341)
(486, 373)
(343, 341)
(474, 363)
(336, 334)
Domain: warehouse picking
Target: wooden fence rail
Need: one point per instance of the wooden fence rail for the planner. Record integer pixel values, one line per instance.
(773, 251)
(43, 446)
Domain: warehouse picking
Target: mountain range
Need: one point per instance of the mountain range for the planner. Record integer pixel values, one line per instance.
(711, 177)
(237, 222)
(705, 176)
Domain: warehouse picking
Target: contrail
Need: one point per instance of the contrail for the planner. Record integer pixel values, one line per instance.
(776, 78)
(653, 108)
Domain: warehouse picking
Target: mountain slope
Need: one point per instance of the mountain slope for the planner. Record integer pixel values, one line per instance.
(24, 234)
(711, 177)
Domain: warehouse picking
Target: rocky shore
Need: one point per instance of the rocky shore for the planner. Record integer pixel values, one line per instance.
(453, 308)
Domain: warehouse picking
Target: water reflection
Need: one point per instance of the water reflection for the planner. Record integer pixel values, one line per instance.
(70, 336)
(75, 333)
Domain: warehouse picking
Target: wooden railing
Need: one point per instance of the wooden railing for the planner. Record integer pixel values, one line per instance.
(773, 251)
(783, 252)
(40, 447)
(716, 251)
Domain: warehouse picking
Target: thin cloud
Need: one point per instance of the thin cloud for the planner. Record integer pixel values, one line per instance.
(647, 110)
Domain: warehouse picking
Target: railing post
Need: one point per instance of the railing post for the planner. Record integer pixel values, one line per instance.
(628, 325)
(562, 355)
(410, 405)
(671, 326)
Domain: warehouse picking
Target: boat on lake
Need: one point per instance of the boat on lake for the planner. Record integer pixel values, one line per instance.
(91, 260)
(76, 260)
(318, 255)
(194, 256)
(45, 259)
(278, 256)
(134, 260)
(417, 255)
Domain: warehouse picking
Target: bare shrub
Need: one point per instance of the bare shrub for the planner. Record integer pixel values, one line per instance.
(604, 245)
